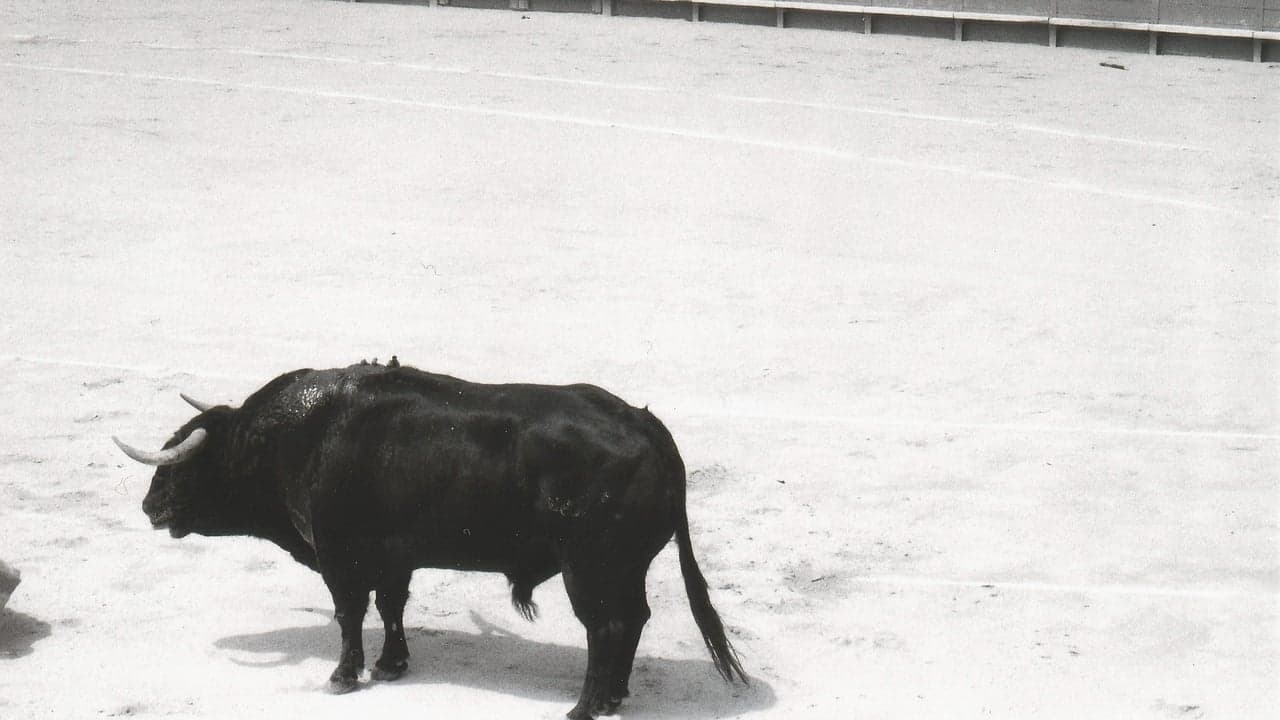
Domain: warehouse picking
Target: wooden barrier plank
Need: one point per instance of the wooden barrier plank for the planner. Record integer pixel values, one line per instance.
(1209, 13)
(1100, 24)
(1107, 10)
(1005, 7)
(1000, 17)
(840, 8)
(1205, 31)
(737, 3)
(935, 5)
(825, 6)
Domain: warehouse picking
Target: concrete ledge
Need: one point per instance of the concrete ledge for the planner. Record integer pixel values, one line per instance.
(1205, 31)
(1000, 17)
(770, 4)
(1100, 24)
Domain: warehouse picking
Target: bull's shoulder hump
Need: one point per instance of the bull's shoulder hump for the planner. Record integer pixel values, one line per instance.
(515, 396)
(272, 390)
(401, 381)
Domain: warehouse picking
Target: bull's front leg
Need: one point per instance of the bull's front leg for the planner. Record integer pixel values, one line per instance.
(349, 604)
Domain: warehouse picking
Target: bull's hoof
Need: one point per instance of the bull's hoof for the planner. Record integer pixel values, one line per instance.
(599, 707)
(389, 671)
(341, 684)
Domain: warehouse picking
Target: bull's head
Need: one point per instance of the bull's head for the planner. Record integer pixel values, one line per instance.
(189, 488)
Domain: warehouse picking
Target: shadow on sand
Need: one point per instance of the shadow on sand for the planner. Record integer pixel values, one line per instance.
(499, 660)
(19, 632)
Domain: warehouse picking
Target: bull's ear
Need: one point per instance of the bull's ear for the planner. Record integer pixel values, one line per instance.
(201, 406)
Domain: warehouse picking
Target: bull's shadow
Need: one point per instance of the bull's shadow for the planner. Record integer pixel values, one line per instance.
(497, 659)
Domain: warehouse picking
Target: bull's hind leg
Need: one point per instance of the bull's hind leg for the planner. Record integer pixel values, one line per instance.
(634, 613)
(613, 610)
(349, 604)
(392, 594)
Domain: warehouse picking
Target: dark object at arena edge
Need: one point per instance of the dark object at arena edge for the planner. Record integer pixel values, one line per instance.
(9, 579)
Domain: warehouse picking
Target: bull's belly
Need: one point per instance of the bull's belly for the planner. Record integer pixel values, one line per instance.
(470, 548)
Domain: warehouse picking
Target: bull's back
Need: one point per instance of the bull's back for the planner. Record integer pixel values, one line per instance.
(457, 474)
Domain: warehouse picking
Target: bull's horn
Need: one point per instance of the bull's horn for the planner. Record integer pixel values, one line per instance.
(201, 406)
(175, 454)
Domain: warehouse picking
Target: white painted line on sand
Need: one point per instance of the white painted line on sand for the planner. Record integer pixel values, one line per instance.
(944, 425)
(1203, 593)
(750, 99)
(684, 133)
(979, 122)
(640, 87)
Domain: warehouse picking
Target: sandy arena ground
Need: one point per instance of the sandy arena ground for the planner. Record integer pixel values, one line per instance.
(971, 349)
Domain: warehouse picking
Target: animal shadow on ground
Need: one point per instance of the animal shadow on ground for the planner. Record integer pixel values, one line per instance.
(499, 660)
(19, 632)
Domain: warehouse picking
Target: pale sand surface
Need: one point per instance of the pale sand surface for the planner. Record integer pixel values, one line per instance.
(970, 348)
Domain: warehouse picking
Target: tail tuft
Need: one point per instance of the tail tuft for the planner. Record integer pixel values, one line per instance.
(723, 654)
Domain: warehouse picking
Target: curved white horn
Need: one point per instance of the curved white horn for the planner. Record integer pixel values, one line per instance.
(175, 454)
(201, 406)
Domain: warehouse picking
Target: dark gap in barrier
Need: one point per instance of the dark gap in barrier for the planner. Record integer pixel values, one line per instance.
(480, 4)
(1215, 47)
(1271, 51)
(571, 6)
(644, 8)
(740, 15)
(915, 27)
(1103, 39)
(817, 20)
(1028, 33)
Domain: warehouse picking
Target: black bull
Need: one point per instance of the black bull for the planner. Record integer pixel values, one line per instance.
(368, 472)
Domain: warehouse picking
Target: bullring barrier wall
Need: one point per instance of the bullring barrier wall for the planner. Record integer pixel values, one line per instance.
(1241, 29)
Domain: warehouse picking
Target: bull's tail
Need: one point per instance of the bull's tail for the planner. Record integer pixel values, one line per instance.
(695, 585)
